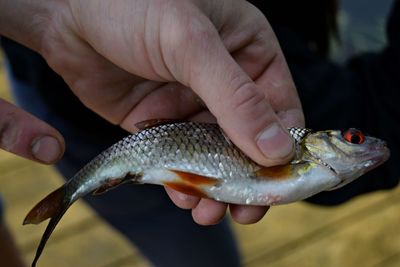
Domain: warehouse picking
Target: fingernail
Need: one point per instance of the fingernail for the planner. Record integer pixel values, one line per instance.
(46, 149)
(274, 142)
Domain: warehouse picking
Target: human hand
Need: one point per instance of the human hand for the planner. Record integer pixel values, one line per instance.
(135, 60)
(26, 136)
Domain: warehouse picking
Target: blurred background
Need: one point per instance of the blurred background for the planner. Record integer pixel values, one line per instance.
(363, 232)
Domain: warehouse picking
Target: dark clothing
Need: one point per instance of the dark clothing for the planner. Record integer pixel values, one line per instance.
(364, 94)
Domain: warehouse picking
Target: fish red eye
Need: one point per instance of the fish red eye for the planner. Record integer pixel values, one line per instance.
(354, 136)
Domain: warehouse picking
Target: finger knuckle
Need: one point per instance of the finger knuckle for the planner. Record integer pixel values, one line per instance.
(248, 101)
(9, 131)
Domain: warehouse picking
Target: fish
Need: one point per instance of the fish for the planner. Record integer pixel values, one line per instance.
(199, 159)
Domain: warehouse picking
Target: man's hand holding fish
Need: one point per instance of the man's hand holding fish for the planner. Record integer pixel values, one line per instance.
(135, 60)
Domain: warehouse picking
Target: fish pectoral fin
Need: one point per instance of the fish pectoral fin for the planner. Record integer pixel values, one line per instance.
(113, 183)
(286, 171)
(155, 122)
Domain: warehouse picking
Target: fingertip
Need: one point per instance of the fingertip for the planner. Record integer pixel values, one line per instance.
(27, 136)
(209, 212)
(247, 214)
(275, 143)
(47, 149)
(181, 200)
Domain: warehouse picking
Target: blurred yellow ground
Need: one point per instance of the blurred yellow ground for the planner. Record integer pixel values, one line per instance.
(364, 232)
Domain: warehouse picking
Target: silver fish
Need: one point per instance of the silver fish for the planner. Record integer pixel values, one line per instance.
(198, 159)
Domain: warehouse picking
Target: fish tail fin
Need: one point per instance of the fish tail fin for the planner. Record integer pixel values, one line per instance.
(53, 206)
(49, 229)
(47, 207)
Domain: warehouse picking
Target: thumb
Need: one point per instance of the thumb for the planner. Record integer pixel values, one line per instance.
(240, 106)
(26, 136)
(246, 116)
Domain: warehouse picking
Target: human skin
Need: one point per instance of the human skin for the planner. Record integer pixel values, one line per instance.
(132, 60)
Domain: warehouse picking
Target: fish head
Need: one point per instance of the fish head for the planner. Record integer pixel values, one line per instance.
(348, 154)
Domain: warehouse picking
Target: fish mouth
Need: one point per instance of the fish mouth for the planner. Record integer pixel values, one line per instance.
(383, 155)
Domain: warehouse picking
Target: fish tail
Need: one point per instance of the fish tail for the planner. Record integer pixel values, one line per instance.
(53, 206)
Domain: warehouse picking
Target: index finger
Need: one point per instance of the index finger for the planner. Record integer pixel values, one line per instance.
(26, 136)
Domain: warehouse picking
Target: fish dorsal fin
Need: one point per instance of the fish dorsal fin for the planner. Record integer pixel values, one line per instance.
(155, 122)
(298, 133)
